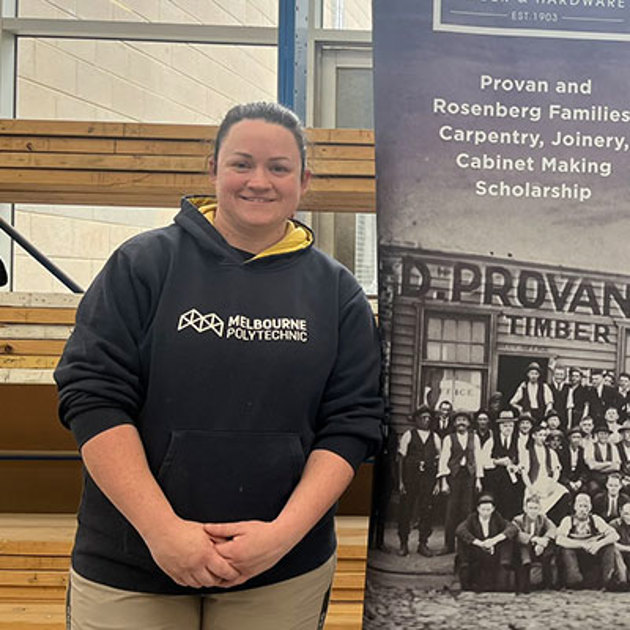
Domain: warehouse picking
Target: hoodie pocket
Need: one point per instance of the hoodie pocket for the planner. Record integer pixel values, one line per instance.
(220, 476)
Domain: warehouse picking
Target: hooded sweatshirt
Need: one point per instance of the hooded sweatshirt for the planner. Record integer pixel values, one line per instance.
(232, 369)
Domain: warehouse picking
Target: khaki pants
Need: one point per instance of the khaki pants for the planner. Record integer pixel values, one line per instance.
(296, 604)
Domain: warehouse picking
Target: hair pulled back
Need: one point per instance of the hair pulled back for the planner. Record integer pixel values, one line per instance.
(269, 112)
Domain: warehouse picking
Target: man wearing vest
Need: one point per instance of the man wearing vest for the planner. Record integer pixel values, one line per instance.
(419, 451)
(533, 396)
(574, 473)
(587, 545)
(460, 472)
(541, 470)
(602, 458)
(486, 441)
(608, 504)
(504, 480)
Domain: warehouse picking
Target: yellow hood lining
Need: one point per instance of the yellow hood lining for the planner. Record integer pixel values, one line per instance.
(295, 238)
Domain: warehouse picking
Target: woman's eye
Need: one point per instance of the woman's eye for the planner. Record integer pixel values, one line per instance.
(278, 168)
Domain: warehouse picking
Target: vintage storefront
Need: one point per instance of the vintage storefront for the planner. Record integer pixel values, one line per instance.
(464, 326)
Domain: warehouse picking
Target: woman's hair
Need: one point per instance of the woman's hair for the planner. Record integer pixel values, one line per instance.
(269, 112)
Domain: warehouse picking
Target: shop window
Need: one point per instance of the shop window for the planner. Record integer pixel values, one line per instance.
(455, 339)
(454, 360)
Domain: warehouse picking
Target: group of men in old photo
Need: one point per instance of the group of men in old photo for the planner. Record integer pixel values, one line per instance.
(534, 485)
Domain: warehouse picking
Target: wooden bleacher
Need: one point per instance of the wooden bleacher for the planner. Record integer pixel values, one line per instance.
(114, 164)
(35, 556)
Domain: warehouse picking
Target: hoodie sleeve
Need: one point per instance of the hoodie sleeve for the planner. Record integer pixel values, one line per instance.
(351, 411)
(99, 374)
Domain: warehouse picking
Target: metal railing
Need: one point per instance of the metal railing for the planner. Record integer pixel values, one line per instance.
(41, 258)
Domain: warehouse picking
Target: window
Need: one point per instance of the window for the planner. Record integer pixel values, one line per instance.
(454, 360)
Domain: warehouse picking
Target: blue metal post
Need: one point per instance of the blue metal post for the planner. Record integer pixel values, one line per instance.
(292, 47)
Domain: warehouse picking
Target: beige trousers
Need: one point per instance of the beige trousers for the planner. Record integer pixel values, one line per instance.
(299, 603)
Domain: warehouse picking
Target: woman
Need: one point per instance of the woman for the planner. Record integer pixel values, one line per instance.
(222, 384)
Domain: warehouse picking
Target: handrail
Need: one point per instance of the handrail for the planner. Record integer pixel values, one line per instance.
(39, 257)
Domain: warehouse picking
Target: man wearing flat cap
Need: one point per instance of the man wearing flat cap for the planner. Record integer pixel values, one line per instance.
(485, 548)
(532, 395)
(460, 472)
(419, 451)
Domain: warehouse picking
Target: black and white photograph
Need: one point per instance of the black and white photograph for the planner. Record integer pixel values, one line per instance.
(504, 302)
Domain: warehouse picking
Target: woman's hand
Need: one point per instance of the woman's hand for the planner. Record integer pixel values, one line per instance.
(251, 547)
(188, 555)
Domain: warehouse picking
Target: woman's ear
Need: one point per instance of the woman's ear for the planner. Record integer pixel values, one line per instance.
(306, 178)
(212, 168)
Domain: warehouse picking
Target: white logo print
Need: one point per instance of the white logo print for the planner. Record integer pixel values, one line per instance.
(201, 323)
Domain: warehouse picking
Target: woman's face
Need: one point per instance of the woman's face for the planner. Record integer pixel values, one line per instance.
(257, 177)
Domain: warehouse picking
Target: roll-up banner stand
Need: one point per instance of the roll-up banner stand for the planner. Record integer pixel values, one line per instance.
(502, 156)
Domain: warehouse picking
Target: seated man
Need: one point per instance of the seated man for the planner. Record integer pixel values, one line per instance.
(587, 547)
(484, 551)
(534, 539)
(608, 504)
(622, 526)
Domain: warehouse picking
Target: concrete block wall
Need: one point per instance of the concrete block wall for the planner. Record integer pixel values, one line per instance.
(126, 81)
(349, 14)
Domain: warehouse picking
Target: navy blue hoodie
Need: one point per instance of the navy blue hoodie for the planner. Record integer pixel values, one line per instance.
(233, 371)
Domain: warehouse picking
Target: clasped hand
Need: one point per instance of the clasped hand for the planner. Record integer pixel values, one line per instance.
(224, 555)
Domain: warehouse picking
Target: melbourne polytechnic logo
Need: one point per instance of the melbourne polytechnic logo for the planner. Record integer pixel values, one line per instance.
(244, 328)
(201, 323)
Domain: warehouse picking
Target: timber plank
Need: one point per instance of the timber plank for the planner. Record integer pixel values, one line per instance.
(104, 162)
(17, 315)
(34, 332)
(32, 593)
(28, 363)
(109, 146)
(32, 616)
(15, 376)
(18, 577)
(106, 129)
(41, 347)
(34, 563)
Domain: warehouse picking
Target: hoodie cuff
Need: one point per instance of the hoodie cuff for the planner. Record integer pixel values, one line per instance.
(86, 425)
(352, 450)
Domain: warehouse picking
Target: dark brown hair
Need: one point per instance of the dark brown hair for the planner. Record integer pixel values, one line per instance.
(269, 112)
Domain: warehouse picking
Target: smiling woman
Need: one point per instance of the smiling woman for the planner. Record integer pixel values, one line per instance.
(259, 174)
(222, 382)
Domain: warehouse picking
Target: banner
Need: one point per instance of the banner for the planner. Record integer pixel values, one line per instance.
(502, 157)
